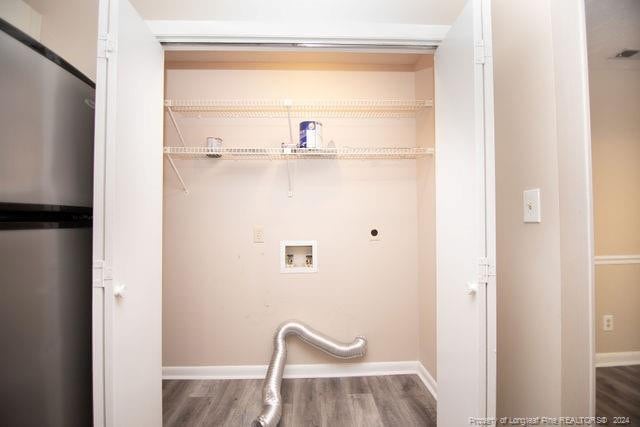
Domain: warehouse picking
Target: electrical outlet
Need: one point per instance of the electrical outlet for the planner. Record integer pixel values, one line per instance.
(607, 322)
(258, 234)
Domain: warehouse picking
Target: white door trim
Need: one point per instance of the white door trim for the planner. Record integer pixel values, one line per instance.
(296, 33)
(489, 202)
(103, 205)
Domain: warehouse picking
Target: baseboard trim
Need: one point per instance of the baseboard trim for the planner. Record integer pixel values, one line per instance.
(325, 370)
(616, 259)
(617, 359)
(428, 380)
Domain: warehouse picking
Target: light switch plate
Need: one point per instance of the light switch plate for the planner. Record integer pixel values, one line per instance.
(531, 199)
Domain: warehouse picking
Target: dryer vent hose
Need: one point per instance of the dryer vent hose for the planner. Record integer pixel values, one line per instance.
(271, 398)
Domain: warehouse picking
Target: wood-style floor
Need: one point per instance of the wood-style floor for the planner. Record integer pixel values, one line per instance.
(395, 400)
(618, 394)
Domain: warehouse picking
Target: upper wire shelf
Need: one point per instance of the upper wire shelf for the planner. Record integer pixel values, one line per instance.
(268, 108)
(257, 153)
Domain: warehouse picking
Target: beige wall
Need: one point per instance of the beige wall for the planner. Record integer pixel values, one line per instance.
(70, 29)
(615, 121)
(22, 16)
(544, 269)
(618, 293)
(223, 294)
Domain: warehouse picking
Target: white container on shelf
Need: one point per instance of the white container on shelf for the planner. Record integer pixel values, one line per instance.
(215, 143)
(310, 134)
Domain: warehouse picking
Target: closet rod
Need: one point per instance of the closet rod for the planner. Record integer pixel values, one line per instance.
(301, 47)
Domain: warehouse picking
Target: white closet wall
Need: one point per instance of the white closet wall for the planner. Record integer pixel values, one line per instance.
(224, 295)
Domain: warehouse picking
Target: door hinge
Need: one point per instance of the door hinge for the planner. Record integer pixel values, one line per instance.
(482, 52)
(485, 270)
(102, 272)
(106, 45)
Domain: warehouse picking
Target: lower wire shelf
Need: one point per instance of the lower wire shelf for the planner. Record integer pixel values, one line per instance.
(259, 153)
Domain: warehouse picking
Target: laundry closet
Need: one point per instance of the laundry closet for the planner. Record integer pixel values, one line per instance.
(214, 225)
(363, 202)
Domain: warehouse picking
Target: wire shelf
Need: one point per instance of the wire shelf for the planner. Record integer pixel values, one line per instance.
(257, 153)
(271, 108)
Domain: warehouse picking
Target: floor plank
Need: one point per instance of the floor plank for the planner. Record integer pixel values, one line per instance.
(391, 405)
(307, 410)
(174, 397)
(398, 400)
(618, 393)
(333, 404)
(364, 411)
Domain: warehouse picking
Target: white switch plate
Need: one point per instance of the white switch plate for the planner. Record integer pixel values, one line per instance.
(607, 322)
(531, 205)
(258, 234)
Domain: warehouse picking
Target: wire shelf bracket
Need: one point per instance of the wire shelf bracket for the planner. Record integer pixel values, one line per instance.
(184, 145)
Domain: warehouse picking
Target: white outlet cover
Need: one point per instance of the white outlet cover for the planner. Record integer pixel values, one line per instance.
(607, 322)
(531, 206)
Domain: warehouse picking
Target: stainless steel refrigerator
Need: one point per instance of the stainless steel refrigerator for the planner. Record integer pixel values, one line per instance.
(46, 171)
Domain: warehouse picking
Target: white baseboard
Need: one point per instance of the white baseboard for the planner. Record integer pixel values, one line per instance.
(325, 370)
(617, 359)
(428, 380)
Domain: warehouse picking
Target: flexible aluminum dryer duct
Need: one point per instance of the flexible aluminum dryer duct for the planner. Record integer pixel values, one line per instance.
(271, 399)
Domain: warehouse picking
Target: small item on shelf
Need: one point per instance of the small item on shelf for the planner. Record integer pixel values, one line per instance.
(286, 148)
(310, 135)
(216, 144)
(309, 261)
(289, 260)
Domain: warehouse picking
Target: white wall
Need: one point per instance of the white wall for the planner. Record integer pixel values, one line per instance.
(69, 28)
(528, 255)
(576, 221)
(401, 11)
(544, 269)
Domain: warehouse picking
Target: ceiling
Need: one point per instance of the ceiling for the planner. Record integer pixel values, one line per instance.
(613, 25)
(426, 12)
